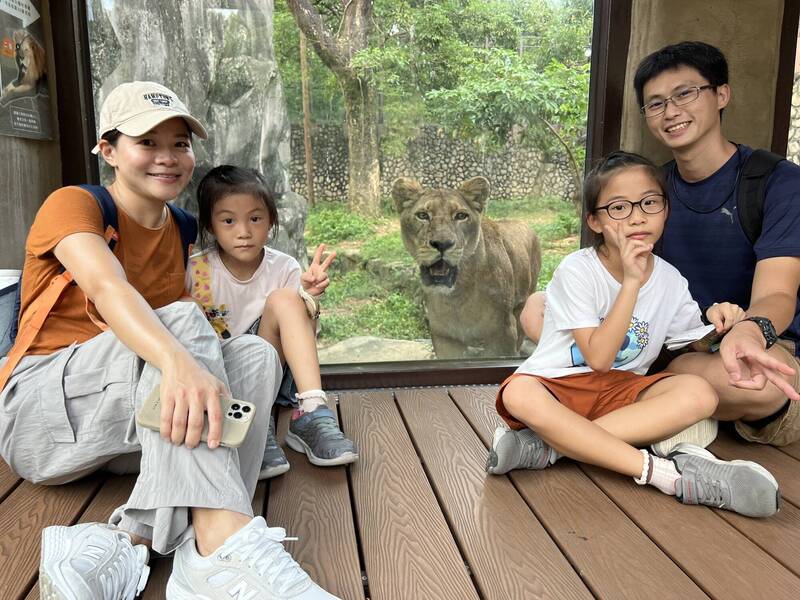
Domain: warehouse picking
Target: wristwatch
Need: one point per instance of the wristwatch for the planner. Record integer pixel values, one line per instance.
(767, 329)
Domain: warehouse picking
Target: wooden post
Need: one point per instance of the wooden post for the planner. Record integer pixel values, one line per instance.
(306, 121)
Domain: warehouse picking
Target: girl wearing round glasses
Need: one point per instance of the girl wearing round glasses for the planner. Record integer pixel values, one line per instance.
(609, 310)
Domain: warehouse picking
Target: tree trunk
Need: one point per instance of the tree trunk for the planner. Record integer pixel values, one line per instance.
(361, 116)
(361, 107)
(307, 121)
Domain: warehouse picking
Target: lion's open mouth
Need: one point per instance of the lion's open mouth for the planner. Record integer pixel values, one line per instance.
(439, 273)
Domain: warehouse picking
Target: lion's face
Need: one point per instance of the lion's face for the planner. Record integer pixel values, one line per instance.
(29, 55)
(440, 228)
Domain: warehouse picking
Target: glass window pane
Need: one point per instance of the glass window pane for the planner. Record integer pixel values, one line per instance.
(437, 146)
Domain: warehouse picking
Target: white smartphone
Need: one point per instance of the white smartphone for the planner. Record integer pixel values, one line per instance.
(237, 416)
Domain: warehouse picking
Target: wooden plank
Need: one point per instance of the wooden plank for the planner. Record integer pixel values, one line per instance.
(23, 515)
(792, 450)
(509, 552)
(723, 562)
(782, 466)
(585, 523)
(408, 549)
(160, 570)
(313, 504)
(8, 480)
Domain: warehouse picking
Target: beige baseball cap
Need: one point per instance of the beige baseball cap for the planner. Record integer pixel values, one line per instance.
(135, 108)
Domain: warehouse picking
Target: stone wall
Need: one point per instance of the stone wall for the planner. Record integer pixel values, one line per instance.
(793, 148)
(436, 160)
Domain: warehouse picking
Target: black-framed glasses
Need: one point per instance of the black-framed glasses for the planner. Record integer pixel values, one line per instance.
(679, 98)
(622, 209)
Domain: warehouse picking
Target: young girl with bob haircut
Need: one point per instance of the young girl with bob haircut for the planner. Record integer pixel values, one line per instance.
(609, 309)
(246, 287)
(69, 405)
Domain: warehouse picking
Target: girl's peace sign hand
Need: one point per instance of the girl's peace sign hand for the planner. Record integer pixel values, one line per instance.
(634, 254)
(315, 280)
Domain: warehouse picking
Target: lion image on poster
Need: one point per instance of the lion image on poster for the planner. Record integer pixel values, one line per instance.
(31, 67)
(476, 273)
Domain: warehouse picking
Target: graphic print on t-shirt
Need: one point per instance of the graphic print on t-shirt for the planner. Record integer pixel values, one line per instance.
(201, 291)
(635, 341)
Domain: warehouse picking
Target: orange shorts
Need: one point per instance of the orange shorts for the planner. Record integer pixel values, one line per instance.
(591, 395)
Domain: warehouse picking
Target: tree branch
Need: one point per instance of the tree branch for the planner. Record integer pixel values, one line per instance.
(576, 175)
(311, 24)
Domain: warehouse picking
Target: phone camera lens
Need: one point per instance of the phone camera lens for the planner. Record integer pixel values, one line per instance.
(235, 407)
(237, 415)
(245, 409)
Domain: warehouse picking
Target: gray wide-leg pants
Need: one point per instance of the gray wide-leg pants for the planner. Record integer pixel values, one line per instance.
(67, 414)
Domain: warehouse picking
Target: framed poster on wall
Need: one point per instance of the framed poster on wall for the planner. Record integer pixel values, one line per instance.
(24, 89)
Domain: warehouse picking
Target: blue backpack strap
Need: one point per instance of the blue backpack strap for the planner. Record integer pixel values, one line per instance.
(109, 210)
(187, 225)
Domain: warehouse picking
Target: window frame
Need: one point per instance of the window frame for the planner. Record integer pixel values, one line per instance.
(610, 43)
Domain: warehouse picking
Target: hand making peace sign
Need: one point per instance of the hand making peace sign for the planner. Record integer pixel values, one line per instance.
(315, 280)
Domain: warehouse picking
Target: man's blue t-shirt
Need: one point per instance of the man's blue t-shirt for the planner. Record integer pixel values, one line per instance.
(704, 239)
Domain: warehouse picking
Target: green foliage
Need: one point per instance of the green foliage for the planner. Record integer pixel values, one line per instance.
(566, 224)
(549, 263)
(395, 316)
(326, 96)
(353, 285)
(484, 70)
(331, 222)
(387, 247)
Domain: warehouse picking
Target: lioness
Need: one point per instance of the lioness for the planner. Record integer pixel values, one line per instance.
(476, 273)
(31, 66)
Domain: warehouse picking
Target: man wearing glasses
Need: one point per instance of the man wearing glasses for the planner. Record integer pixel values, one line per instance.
(682, 91)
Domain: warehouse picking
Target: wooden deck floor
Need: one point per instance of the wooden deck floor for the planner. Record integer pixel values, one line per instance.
(417, 518)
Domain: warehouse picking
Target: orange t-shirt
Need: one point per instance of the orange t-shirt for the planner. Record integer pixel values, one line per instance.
(152, 260)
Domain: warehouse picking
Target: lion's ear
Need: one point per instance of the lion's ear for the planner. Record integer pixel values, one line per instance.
(475, 191)
(405, 192)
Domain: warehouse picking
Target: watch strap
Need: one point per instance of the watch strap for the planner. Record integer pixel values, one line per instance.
(767, 329)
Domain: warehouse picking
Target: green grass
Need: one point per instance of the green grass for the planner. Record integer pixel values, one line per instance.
(566, 224)
(396, 316)
(332, 222)
(515, 208)
(354, 285)
(386, 247)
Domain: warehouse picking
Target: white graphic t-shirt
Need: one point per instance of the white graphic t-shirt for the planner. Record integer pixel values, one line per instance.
(582, 293)
(232, 305)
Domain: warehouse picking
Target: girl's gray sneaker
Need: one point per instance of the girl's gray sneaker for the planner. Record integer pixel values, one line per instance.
(521, 449)
(317, 434)
(738, 485)
(274, 462)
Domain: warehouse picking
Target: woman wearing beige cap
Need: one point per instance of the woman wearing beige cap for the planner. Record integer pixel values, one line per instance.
(88, 355)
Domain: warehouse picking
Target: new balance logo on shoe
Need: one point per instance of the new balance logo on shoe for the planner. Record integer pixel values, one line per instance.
(242, 591)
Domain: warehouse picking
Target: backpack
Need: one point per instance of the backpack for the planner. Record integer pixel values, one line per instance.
(16, 342)
(751, 192)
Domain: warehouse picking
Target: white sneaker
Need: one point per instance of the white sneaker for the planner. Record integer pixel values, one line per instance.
(250, 565)
(700, 434)
(92, 561)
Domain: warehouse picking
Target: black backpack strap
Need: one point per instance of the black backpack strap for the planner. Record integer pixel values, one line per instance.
(108, 208)
(752, 191)
(187, 225)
